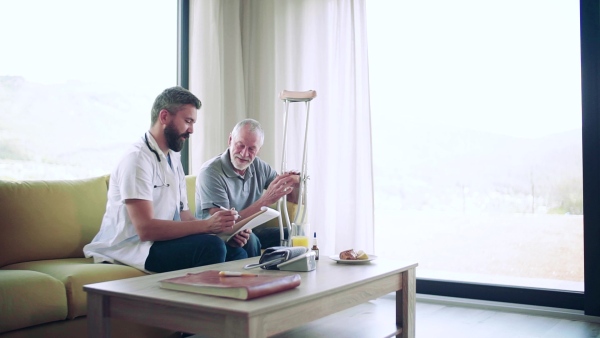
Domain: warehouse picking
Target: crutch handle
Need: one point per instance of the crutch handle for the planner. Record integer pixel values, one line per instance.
(293, 96)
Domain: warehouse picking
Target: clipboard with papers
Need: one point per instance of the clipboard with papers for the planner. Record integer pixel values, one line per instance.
(264, 215)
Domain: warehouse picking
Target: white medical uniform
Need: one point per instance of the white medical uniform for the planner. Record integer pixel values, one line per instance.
(139, 175)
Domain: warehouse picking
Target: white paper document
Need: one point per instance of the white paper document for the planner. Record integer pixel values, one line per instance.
(265, 214)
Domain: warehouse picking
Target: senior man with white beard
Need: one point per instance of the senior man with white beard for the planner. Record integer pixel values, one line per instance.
(240, 180)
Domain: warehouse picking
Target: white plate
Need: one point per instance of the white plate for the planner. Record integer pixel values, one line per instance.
(352, 261)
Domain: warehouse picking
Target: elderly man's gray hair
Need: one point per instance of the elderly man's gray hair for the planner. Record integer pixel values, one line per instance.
(253, 126)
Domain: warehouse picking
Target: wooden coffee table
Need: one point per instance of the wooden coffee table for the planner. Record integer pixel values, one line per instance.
(331, 288)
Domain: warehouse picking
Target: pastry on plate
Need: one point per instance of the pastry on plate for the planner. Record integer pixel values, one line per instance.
(348, 255)
(361, 255)
(351, 255)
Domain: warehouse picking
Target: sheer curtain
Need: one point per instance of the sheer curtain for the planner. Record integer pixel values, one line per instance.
(244, 53)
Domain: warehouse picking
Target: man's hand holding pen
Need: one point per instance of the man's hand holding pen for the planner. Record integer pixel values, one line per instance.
(222, 220)
(232, 209)
(242, 237)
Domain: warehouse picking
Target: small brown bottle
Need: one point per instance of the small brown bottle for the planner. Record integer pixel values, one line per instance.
(314, 247)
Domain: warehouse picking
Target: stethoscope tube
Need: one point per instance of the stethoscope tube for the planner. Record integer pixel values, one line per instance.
(164, 183)
(151, 149)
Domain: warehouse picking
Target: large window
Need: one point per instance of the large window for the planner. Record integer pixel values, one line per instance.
(77, 82)
(477, 145)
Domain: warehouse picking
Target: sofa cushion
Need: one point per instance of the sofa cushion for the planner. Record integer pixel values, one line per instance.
(74, 273)
(274, 223)
(190, 184)
(30, 298)
(49, 219)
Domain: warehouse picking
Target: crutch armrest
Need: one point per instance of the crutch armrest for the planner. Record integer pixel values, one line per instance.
(294, 96)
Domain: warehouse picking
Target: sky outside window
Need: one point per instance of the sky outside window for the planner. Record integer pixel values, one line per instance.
(77, 81)
(476, 109)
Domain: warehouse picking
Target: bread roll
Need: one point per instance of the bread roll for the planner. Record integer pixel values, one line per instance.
(348, 255)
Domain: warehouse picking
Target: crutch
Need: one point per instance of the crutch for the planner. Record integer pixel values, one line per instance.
(293, 97)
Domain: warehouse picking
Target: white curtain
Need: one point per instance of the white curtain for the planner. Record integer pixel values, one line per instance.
(243, 53)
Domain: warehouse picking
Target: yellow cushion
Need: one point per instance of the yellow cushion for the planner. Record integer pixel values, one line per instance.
(190, 184)
(30, 298)
(49, 219)
(274, 223)
(74, 273)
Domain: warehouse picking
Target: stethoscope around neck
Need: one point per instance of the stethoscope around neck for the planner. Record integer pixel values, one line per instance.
(163, 180)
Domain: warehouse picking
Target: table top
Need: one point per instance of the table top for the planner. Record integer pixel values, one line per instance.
(328, 277)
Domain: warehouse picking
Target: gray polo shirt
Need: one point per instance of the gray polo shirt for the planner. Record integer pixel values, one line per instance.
(217, 182)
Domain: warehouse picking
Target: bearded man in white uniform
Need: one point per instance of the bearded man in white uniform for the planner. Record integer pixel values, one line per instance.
(148, 224)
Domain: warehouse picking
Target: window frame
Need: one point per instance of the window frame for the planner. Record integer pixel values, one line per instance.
(590, 84)
(183, 64)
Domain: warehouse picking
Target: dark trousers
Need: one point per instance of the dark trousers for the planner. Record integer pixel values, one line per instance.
(270, 237)
(196, 250)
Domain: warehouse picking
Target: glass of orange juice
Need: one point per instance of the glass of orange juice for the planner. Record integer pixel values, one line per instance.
(299, 235)
(300, 241)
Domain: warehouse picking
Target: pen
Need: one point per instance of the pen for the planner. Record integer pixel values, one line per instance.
(223, 208)
(236, 274)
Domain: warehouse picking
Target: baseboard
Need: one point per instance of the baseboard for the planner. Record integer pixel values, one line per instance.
(508, 307)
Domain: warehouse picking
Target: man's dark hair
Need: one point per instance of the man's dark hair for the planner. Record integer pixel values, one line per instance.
(172, 99)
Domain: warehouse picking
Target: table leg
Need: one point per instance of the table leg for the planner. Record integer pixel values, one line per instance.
(255, 328)
(98, 321)
(405, 304)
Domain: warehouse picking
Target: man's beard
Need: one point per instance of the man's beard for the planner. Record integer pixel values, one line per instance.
(239, 166)
(173, 138)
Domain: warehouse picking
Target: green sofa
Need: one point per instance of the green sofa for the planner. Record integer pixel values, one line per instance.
(43, 228)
